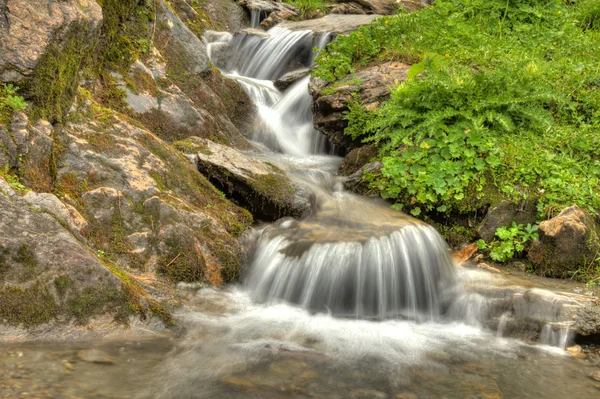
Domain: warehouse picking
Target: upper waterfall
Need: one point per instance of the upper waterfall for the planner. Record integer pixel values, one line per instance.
(255, 60)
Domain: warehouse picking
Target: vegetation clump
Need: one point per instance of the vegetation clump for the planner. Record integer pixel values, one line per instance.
(10, 102)
(502, 97)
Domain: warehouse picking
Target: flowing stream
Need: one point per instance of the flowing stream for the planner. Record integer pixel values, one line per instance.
(354, 301)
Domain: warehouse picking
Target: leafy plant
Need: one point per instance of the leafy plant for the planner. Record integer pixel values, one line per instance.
(12, 180)
(501, 101)
(10, 102)
(511, 241)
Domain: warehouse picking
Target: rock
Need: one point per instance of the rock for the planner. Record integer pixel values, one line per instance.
(336, 24)
(595, 375)
(371, 85)
(95, 356)
(576, 351)
(382, 7)
(27, 150)
(527, 309)
(47, 276)
(290, 78)
(504, 214)
(174, 90)
(275, 18)
(176, 41)
(29, 29)
(355, 182)
(146, 207)
(356, 159)
(261, 187)
(268, 13)
(566, 243)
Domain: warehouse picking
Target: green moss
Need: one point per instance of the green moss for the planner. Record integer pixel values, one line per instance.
(140, 81)
(70, 185)
(62, 284)
(273, 186)
(456, 235)
(26, 257)
(99, 299)
(183, 261)
(163, 314)
(109, 235)
(109, 94)
(27, 306)
(55, 79)
(190, 146)
(126, 28)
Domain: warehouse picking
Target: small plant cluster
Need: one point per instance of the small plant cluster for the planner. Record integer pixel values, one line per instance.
(501, 101)
(10, 102)
(510, 242)
(13, 181)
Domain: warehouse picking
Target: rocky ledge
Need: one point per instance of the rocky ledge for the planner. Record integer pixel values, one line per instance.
(260, 186)
(370, 86)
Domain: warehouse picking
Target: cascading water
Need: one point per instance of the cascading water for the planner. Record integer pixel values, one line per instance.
(352, 257)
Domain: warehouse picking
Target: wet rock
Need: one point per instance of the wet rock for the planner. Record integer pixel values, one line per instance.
(268, 13)
(276, 17)
(258, 185)
(356, 159)
(566, 243)
(336, 24)
(290, 78)
(95, 356)
(527, 310)
(29, 29)
(355, 182)
(595, 375)
(504, 214)
(370, 85)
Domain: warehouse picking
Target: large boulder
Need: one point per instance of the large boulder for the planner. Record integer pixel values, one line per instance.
(147, 208)
(370, 85)
(504, 214)
(566, 243)
(30, 29)
(50, 283)
(260, 186)
(176, 93)
(44, 44)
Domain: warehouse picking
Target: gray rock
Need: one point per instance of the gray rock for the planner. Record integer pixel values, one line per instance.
(355, 182)
(566, 243)
(504, 214)
(356, 159)
(371, 85)
(261, 187)
(177, 41)
(290, 78)
(29, 27)
(525, 307)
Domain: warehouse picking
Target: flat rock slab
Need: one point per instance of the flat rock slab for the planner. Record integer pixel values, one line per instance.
(333, 23)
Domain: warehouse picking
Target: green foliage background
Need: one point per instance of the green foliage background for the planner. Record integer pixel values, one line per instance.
(502, 101)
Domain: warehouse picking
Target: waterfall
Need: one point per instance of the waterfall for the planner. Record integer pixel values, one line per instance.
(255, 61)
(351, 257)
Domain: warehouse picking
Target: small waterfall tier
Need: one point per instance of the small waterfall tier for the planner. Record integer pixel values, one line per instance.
(256, 60)
(354, 259)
